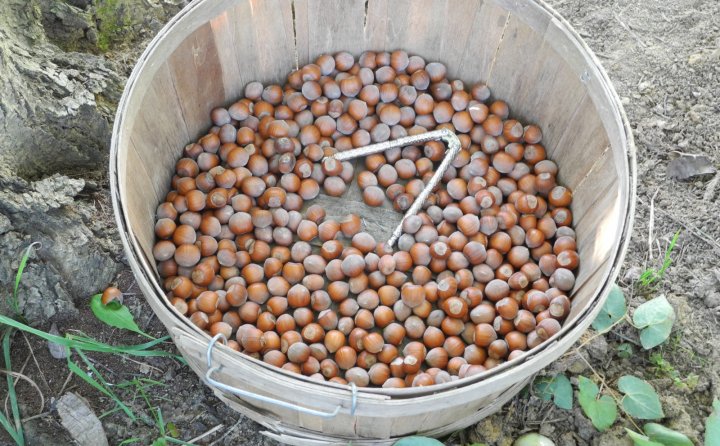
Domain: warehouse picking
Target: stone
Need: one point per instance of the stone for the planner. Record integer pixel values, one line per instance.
(583, 426)
(80, 420)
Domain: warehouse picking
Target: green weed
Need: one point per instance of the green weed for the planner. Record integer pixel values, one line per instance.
(652, 275)
(79, 344)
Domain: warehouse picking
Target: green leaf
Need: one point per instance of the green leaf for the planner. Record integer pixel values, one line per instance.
(655, 319)
(89, 344)
(712, 426)
(640, 400)
(172, 430)
(557, 388)
(612, 312)
(641, 440)
(625, 350)
(417, 441)
(18, 277)
(17, 432)
(665, 435)
(533, 439)
(115, 314)
(601, 411)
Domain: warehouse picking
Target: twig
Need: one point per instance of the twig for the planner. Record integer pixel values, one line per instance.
(22, 369)
(227, 432)
(40, 415)
(696, 232)
(29, 381)
(42, 375)
(651, 223)
(625, 338)
(67, 381)
(210, 432)
(627, 28)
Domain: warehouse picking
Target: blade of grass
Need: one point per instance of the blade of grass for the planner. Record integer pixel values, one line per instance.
(7, 425)
(20, 436)
(109, 412)
(104, 383)
(667, 260)
(176, 441)
(23, 262)
(160, 421)
(89, 344)
(72, 365)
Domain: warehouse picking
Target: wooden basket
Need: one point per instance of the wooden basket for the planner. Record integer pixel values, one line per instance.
(525, 52)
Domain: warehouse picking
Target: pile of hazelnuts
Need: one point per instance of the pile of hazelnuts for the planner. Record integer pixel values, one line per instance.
(480, 275)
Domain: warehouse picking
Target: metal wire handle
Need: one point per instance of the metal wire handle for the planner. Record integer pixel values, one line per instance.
(448, 137)
(245, 394)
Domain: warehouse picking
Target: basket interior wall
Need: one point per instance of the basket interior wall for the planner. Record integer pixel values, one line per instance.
(211, 54)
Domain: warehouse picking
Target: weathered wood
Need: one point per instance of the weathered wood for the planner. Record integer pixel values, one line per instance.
(529, 56)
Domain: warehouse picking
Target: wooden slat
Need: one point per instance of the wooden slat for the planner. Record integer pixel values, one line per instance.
(422, 27)
(324, 26)
(195, 67)
(488, 28)
(585, 68)
(264, 42)
(580, 145)
(511, 76)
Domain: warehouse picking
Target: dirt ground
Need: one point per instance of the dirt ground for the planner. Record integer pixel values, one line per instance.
(664, 59)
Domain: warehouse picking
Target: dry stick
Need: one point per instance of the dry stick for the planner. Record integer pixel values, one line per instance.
(29, 381)
(40, 415)
(67, 381)
(142, 363)
(7, 397)
(651, 223)
(42, 375)
(696, 232)
(632, 33)
(596, 335)
(210, 432)
(227, 432)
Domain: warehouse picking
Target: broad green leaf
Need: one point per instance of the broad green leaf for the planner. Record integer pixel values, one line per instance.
(603, 411)
(613, 310)
(665, 435)
(656, 334)
(556, 388)
(114, 314)
(712, 426)
(640, 400)
(417, 441)
(533, 439)
(641, 440)
(655, 319)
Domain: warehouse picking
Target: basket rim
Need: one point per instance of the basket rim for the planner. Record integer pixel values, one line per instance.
(573, 330)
